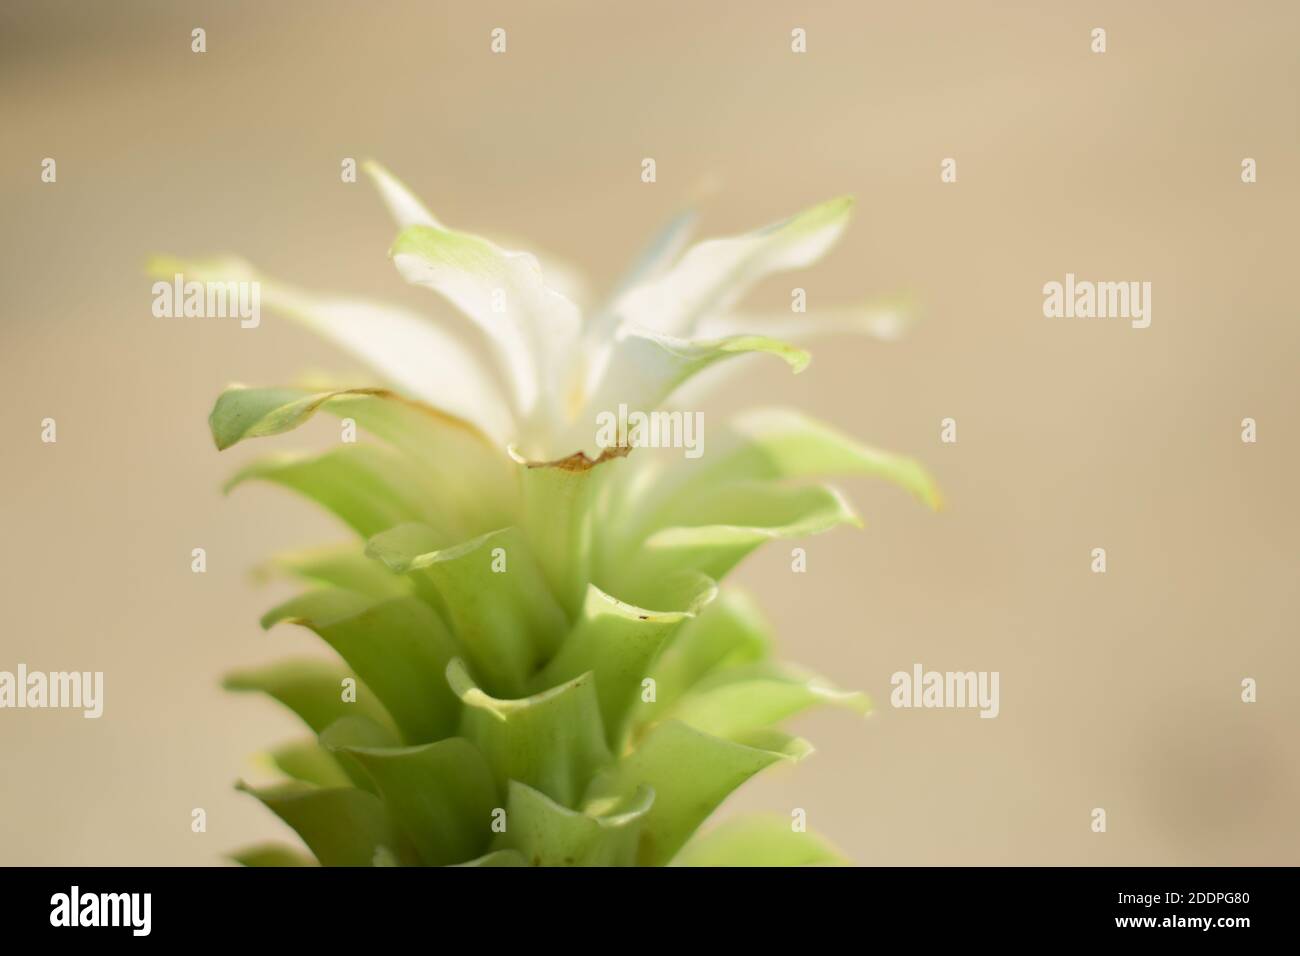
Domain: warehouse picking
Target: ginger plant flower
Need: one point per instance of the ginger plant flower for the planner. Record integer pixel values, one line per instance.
(532, 659)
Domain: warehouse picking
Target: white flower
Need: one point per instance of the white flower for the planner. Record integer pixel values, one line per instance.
(505, 613)
(555, 366)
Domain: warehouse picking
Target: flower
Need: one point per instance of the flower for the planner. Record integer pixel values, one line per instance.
(534, 661)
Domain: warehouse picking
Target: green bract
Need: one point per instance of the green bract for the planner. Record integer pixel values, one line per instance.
(545, 669)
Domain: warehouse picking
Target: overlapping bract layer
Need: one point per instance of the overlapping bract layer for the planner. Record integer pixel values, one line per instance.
(545, 669)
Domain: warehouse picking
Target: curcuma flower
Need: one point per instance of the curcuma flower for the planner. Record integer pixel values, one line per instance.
(534, 663)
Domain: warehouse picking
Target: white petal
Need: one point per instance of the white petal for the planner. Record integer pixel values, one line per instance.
(401, 202)
(660, 252)
(645, 368)
(885, 321)
(424, 360)
(531, 326)
(650, 263)
(558, 273)
(714, 274)
(407, 210)
(407, 349)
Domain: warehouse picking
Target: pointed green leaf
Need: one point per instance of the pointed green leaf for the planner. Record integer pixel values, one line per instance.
(691, 773)
(441, 795)
(729, 632)
(742, 517)
(398, 646)
(739, 700)
(557, 516)
(498, 858)
(396, 550)
(617, 643)
(548, 834)
(785, 510)
(552, 741)
(498, 604)
(466, 468)
(306, 761)
(341, 566)
(343, 827)
(311, 688)
(758, 840)
(770, 445)
(368, 487)
(242, 412)
(356, 731)
(271, 854)
(777, 444)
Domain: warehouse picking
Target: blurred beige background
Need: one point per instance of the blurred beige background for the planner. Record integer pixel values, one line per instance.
(1119, 691)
